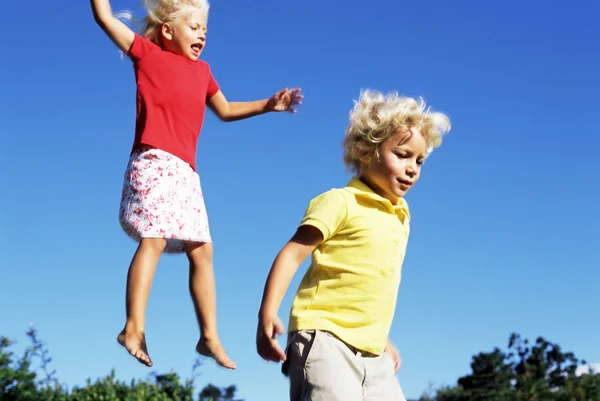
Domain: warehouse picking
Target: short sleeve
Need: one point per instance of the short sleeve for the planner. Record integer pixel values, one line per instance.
(141, 47)
(213, 86)
(327, 212)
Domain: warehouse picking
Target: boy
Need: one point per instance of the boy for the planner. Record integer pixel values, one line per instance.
(338, 346)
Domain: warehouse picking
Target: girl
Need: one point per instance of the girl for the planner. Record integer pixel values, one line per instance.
(162, 205)
(338, 347)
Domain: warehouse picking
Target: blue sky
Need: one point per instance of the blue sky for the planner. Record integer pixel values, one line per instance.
(504, 218)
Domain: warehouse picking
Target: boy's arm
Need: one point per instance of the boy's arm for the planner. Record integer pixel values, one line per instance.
(284, 100)
(117, 31)
(392, 351)
(287, 262)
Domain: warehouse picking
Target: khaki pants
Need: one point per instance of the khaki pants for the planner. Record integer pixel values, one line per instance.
(321, 367)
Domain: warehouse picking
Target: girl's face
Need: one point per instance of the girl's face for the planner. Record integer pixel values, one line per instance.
(398, 166)
(188, 36)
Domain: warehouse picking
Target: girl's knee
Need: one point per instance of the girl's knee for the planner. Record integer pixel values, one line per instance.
(198, 250)
(156, 245)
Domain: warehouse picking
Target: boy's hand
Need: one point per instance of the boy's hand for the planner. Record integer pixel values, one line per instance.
(285, 100)
(266, 341)
(393, 352)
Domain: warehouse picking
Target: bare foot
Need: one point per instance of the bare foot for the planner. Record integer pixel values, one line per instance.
(214, 349)
(135, 344)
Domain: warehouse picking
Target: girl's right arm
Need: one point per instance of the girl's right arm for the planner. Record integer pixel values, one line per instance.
(116, 30)
(287, 262)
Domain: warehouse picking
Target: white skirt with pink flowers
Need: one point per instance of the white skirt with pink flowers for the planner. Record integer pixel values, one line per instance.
(162, 198)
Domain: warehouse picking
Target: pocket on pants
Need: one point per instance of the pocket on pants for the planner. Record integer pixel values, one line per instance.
(298, 350)
(387, 358)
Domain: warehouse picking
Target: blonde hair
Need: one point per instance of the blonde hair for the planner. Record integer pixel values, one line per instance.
(375, 117)
(161, 12)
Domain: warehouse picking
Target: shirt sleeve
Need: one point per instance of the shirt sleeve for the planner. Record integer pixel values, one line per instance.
(140, 48)
(327, 212)
(213, 86)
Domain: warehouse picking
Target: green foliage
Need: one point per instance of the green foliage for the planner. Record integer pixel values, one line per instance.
(19, 381)
(538, 372)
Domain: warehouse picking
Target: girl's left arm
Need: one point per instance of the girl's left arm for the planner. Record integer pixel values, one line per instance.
(284, 100)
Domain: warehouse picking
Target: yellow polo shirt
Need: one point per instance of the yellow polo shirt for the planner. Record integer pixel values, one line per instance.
(351, 286)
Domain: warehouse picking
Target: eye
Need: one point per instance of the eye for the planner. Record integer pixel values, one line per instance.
(402, 155)
(420, 161)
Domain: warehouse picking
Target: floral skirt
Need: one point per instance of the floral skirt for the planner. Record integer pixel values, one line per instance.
(162, 198)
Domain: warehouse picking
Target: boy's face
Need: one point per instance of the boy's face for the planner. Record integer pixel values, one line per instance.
(398, 166)
(188, 36)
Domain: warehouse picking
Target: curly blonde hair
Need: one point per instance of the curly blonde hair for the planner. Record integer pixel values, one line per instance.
(376, 116)
(161, 12)
(168, 12)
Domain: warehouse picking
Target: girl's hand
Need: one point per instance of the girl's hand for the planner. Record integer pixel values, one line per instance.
(266, 341)
(394, 354)
(285, 100)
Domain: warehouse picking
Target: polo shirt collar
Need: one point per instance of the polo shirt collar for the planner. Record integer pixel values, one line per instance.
(356, 186)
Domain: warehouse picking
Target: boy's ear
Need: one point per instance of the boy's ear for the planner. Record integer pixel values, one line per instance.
(368, 159)
(167, 31)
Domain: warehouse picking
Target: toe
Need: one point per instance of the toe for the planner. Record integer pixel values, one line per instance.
(226, 362)
(145, 360)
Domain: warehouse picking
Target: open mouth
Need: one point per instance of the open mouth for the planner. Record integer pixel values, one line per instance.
(197, 48)
(405, 182)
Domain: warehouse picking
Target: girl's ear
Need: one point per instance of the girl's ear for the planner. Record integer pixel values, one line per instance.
(167, 31)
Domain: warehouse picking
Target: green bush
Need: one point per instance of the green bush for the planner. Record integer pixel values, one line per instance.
(19, 381)
(525, 372)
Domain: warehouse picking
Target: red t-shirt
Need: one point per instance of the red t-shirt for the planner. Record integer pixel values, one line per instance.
(171, 99)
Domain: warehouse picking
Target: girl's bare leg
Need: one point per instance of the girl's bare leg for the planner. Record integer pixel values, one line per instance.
(202, 290)
(139, 281)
